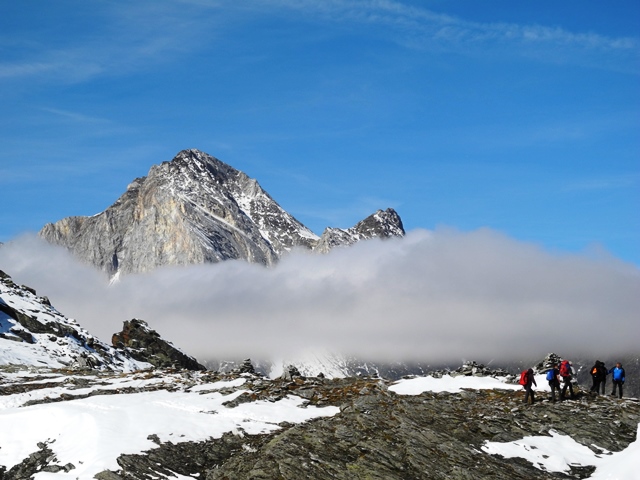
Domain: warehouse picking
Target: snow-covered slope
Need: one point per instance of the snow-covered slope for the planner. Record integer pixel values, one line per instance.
(34, 333)
(86, 433)
(195, 209)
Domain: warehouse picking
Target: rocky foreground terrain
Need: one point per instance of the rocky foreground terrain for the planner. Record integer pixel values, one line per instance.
(374, 433)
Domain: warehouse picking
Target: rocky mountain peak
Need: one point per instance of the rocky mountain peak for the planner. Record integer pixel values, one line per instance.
(195, 165)
(197, 209)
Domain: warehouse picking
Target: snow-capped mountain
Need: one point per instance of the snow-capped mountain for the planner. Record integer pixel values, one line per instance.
(197, 209)
(34, 333)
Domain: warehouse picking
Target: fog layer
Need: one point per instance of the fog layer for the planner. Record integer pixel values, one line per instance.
(431, 296)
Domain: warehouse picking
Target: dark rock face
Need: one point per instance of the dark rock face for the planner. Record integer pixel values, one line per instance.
(381, 435)
(196, 209)
(146, 345)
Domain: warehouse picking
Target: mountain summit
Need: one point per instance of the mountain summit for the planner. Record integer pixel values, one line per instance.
(197, 209)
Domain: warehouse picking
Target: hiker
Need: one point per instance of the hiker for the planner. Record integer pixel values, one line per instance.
(603, 384)
(554, 382)
(617, 379)
(529, 381)
(598, 375)
(566, 370)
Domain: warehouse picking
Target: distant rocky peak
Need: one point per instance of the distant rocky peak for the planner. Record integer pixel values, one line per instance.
(381, 224)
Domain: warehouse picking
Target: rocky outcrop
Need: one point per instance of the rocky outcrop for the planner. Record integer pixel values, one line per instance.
(42, 460)
(146, 345)
(473, 369)
(197, 209)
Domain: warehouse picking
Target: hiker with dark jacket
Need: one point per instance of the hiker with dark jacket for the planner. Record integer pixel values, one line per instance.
(566, 370)
(603, 384)
(554, 382)
(617, 376)
(528, 387)
(598, 375)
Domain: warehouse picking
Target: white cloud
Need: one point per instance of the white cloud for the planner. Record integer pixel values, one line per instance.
(430, 296)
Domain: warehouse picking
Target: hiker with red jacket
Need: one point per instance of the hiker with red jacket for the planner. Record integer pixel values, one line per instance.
(554, 383)
(566, 370)
(528, 386)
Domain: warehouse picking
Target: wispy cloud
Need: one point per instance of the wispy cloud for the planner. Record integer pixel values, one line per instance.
(126, 38)
(132, 36)
(76, 116)
(609, 182)
(437, 26)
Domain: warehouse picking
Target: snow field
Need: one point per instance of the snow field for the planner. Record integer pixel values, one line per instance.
(92, 432)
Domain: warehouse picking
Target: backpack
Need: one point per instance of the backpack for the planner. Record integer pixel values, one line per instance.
(551, 375)
(565, 369)
(523, 377)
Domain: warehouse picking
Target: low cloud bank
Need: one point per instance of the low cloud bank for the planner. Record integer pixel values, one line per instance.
(432, 296)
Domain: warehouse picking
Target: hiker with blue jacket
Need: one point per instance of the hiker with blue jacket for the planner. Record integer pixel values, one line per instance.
(617, 375)
(554, 383)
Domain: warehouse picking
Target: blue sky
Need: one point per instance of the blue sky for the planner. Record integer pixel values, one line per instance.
(520, 117)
